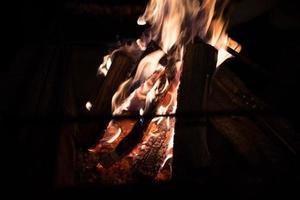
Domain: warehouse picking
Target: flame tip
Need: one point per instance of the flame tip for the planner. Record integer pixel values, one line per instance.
(88, 105)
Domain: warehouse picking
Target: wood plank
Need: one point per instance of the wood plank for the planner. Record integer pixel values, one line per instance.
(190, 147)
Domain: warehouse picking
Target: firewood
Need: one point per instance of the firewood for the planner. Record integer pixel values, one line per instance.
(119, 71)
(129, 142)
(148, 163)
(117, 74)
(136, 134)
(257, 138)
(190, 148)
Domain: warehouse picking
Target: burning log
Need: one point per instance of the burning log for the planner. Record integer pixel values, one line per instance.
(123, 145)
(191, 152)
(129, 142)
(130, 149)
(117, 74)
(123, 67)
(149, 162)
(119, 71)
(114, 154)
(139, 151)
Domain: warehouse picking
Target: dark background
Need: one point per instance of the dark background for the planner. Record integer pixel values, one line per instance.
(47, 43)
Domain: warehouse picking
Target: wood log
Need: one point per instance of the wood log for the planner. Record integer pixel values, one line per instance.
(135, 136)
(190, 147)
(147, 164)
(103, 102)
(119, 71)
(117, 74)
(259, 139)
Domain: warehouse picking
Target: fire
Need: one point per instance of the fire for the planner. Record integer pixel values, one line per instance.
(104, 67)
(88, 106)
(152, 90)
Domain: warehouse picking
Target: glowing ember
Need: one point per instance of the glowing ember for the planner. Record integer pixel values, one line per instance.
(153, 88)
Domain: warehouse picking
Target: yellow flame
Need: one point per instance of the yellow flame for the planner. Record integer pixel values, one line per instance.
(148, 65)
(105, 65)
(88, 106)
(141, 111)
(177, 22)
(166, 18)
(115, 136)
(139, 98)
(219, 38)
(142, 44)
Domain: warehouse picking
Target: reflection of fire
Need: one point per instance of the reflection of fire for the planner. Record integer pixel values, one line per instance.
(152, 90)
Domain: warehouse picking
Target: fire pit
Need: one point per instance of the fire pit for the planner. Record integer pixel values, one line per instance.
(151, 89)
(168, 67)
(163, 108)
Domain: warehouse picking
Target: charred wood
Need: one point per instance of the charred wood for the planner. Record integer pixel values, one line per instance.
(117, 74)
(259, 139)
(190, 147)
